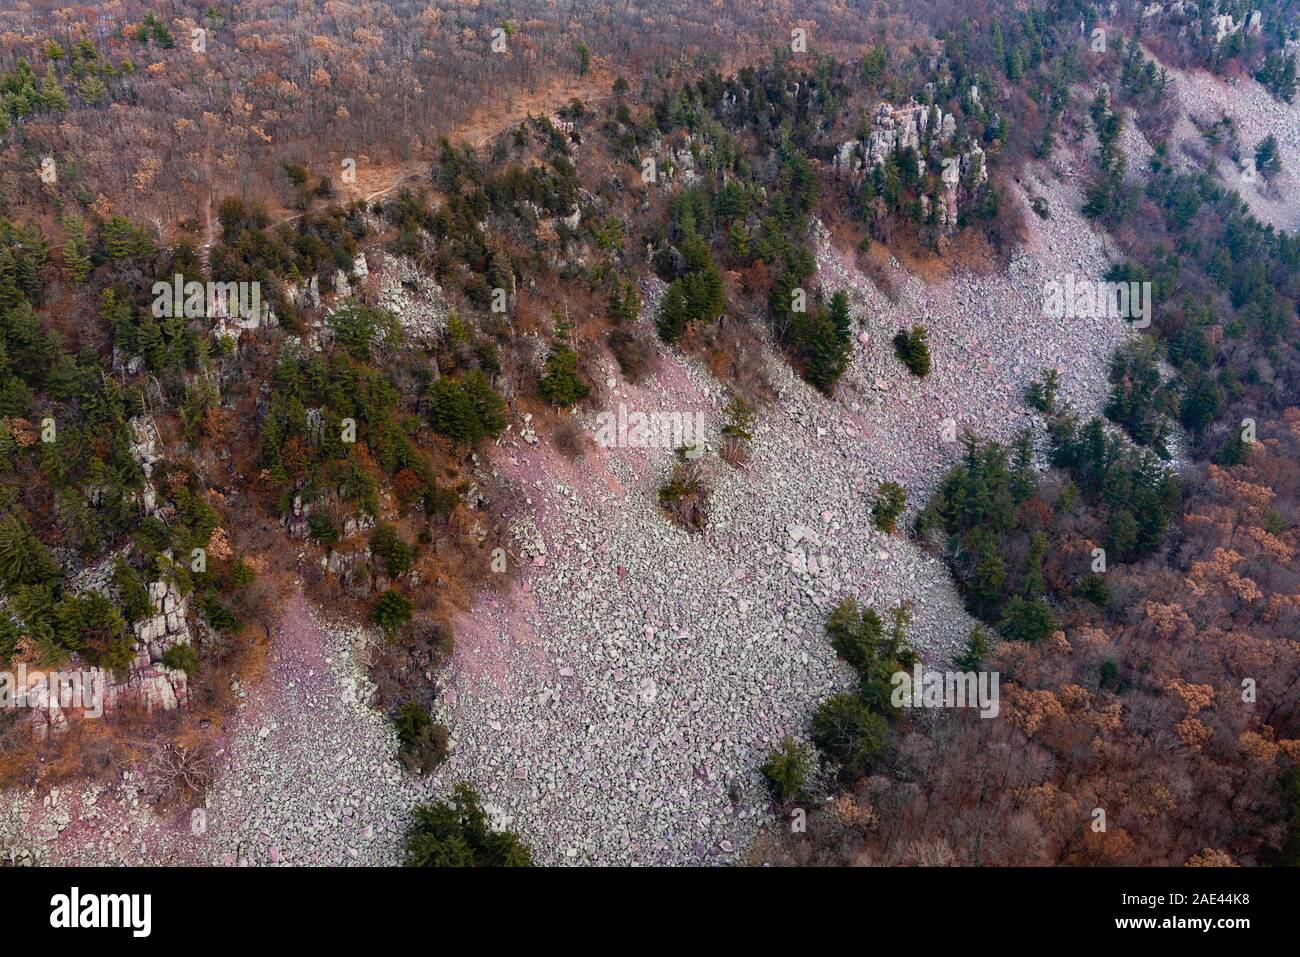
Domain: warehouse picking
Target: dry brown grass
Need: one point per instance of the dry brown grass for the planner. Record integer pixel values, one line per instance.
(685, 497)
(733, 351)
(735, 451)
(971, 250)
(176, 773)
(569, 438)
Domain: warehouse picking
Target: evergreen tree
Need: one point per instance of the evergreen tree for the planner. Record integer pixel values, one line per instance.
(849, 733)
(1278, 73)
(786, 770)
(24, 560)
(673, 313)
(1268, 160)
(391, 610)
(92, 89)
(52, 95)
(913, 348)
(1026, 619)
(124, 240)
(456, 834)
(988, 577)
(76, 249)
(977, 649)
(467, 410)
(561, 384)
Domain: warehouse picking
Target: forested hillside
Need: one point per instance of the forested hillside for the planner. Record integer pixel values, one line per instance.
(323, 299)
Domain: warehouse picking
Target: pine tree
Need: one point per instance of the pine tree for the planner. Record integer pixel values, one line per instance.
(839, 315)
(913, 349)
(466, 411)
(391, 610)
(624, 303)
(92, 89)
(673, 315)
(738, 243)
(1267, 160)
(786, 769)
(76, 249)
(1024, 478)
(977, 648)
(705, 300)
(24, 560)
(456, 834)
(52, 95)
(989, 576)
(123, 239)
(561, 384)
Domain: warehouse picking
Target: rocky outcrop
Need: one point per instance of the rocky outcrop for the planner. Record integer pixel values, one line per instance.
(144, 449)
(146, 684)
(233, 325)
(916, 126)
(925, 130)
(414, 297)
(296, 521)
(305, 294)
(1225, 25)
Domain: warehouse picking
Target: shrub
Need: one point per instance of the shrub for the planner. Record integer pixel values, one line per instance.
(1109, 677)
(891, 499)
(181, 657)
(423, 741)
(439, 501)
(216, 614)
(685, 496)
(456, 834)
(630, 352)
(440, 639)
(391, 611)
(786, 770)
(1042, 395)
(740, 419)
(736, 433)
(849, 733)
(118, 657)
(388, 545)
(569, 439)
(241, 575)
(913, 349)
